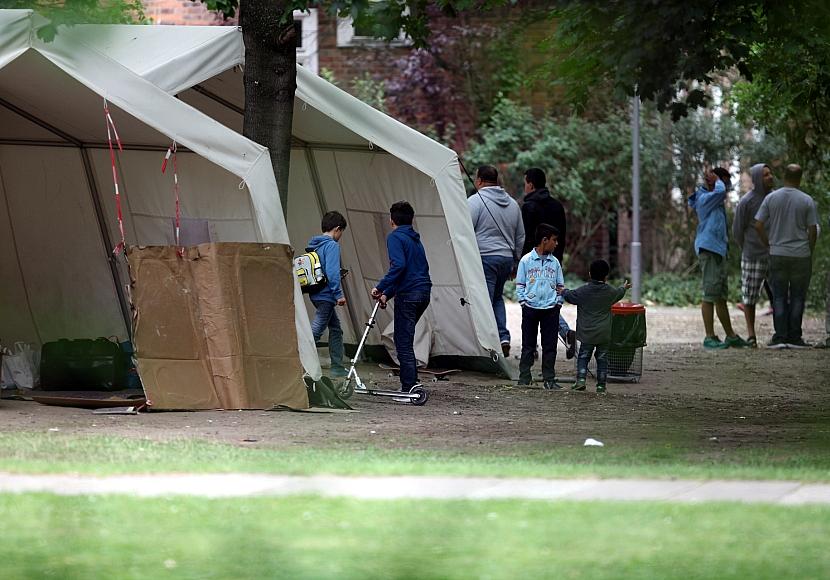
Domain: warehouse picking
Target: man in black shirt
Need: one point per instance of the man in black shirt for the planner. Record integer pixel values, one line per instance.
(539, 207)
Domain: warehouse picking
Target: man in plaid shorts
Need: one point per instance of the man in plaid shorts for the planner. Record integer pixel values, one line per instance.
(754, 253)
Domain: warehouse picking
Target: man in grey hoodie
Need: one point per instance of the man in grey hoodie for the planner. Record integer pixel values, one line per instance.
(500, 233)
(754, 253)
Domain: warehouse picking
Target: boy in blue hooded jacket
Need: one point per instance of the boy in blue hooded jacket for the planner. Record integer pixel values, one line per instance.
(537, 278)
(327, 247)
(408, 281)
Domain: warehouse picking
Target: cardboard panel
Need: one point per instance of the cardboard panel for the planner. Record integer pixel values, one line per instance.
(215, 329)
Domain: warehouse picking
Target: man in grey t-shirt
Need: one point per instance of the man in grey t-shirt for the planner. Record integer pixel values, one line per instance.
(787, 222)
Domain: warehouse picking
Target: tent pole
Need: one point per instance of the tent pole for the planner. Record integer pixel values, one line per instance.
(105, 237)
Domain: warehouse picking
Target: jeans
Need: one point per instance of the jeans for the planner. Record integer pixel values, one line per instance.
(564, 329)
(790, 279)
(532, 320)
(327, 317)
(600, 354)
(409, 306)
(497, 270)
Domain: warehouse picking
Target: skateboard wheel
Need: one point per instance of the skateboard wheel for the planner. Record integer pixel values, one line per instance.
(423, 396)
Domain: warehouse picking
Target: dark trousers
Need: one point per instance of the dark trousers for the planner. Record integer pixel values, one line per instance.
(790, 279)
(584, 357)
(533, 320)
(409, 307)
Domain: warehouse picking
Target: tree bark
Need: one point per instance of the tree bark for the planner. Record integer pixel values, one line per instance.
(270, 81)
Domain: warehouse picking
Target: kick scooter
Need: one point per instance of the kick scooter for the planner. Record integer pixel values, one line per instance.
(353, 384)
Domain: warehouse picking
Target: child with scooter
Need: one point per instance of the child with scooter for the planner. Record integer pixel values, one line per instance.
(409, 283)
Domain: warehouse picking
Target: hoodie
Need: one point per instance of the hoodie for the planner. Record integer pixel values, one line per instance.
(711, 215)
(408, 266)
(540, 208)
(742, 228)
(329, 252)
(499, 234)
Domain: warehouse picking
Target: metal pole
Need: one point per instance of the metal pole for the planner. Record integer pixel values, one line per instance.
(636, 263)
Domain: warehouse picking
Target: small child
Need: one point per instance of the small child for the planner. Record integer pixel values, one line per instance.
(327, 247)
(537, 278)
(408, 281)
(593, 321)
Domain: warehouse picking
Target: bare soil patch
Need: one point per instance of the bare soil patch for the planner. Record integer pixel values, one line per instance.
(750, 398)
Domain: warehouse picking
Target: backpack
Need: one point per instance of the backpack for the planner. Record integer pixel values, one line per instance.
(310, 273)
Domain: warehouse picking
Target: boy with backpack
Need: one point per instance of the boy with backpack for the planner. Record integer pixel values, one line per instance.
(537, 278)
(330, 295)
(593, 322)
(409, 283)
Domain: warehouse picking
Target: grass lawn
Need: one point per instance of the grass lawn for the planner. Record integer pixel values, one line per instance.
(122, 537)
(101, 455)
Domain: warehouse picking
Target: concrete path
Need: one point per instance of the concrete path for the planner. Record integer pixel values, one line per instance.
(251, 485)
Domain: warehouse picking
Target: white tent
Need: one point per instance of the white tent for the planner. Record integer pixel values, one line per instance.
(348, 157)
(57, 213)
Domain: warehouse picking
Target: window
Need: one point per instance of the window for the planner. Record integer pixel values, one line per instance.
(305, 24)
(350, 35)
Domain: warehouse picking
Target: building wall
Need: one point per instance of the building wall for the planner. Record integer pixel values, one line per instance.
(180, 12)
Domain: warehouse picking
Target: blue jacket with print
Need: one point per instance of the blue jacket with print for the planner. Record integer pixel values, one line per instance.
(536, 280)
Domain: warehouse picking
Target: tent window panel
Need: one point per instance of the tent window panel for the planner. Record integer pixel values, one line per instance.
(304, 212)
(16, 320)
(435, 236)
(454, 332)
(208, 193)
(376, 181)
(62, 256)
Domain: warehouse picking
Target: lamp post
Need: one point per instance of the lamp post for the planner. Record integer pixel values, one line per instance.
(636, 264)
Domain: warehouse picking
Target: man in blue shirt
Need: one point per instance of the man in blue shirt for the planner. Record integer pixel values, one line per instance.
(711, 246)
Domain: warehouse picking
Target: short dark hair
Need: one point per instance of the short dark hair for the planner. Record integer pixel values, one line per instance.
(545, 231)
(724, 176)
(402, 213)
(792, 173)
(332, 219)
(488, 173)
(536, 176)
(599, 270)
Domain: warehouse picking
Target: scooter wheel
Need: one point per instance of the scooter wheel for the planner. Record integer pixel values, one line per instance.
(345, 388)
(423, 396)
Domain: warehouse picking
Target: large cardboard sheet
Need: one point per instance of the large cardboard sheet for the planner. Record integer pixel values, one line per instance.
(214, 329)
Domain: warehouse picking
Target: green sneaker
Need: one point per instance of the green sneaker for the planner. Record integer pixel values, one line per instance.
(579, 385)
(714, 343)
(601, 390)
(735, 342)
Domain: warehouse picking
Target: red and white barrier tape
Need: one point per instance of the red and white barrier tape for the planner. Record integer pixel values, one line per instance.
(171, 152)
(110, 131)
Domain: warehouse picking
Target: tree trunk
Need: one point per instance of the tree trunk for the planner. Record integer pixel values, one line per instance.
(270, 82)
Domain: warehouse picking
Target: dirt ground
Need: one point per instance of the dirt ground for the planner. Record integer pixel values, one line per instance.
(745, 398)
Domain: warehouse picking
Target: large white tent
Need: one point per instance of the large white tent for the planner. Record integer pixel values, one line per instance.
(57, 214)
(348, 157)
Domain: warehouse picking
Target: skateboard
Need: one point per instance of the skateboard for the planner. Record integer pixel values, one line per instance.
(437, 375)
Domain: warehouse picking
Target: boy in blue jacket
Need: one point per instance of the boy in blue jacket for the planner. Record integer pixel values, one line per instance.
(538, 276)
(327, 247)
(408, 281)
